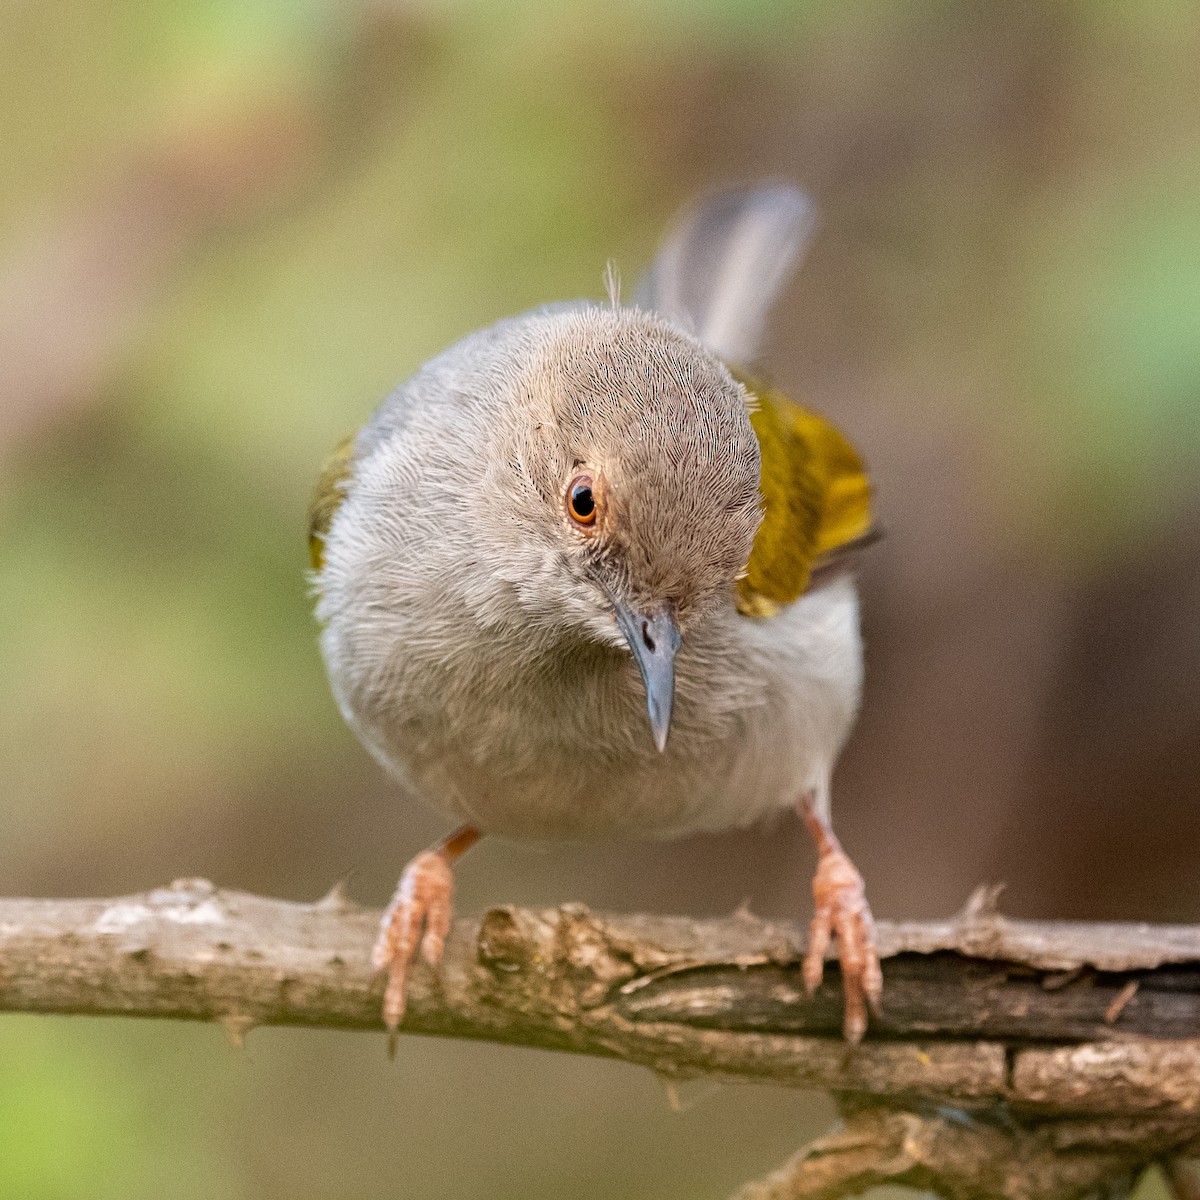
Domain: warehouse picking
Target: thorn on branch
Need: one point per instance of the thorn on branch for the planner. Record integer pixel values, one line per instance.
(237, 1025)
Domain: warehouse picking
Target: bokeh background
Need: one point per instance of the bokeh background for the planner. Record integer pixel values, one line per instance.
(228, 227)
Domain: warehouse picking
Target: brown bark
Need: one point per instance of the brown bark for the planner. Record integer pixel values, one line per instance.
(1074, 1047)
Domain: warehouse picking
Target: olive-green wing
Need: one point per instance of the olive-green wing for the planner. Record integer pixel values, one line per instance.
(816, 501)
(329, 494)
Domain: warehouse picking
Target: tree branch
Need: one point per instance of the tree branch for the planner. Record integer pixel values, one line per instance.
(1083, 1036)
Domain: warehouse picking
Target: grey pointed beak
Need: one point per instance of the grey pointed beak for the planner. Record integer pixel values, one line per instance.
(653, 638)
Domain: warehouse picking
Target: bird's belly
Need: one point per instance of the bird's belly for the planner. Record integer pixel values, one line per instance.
(564, 752)
(573, 797)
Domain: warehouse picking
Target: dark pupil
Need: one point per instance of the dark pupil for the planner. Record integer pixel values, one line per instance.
(582, 501)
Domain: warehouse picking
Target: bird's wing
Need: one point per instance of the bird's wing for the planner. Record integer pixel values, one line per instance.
(816, 502)
(330, 492)
(725, 261)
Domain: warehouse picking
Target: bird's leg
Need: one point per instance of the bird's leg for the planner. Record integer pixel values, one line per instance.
(418, 918)
(842, 912)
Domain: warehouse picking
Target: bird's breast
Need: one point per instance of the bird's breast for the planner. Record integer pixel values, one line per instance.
(553, 742)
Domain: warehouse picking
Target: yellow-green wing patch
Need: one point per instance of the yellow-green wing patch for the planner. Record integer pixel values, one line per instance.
(330, 492)
(816, 499)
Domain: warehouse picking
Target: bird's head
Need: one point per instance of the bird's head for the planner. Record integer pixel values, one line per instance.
(633, 467)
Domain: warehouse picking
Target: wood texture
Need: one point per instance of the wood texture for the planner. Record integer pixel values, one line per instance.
(1079, 1034)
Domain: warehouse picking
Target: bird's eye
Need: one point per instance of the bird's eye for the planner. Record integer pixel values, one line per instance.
(581, 500)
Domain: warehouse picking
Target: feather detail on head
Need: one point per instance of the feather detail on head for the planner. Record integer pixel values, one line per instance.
(816, 500)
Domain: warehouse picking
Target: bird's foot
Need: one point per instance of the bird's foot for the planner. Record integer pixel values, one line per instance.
(417, 919)
(842, 911)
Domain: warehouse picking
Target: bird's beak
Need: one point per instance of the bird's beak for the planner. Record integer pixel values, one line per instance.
(653, 637)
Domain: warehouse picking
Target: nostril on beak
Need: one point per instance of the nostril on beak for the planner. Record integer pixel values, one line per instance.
(653, 639)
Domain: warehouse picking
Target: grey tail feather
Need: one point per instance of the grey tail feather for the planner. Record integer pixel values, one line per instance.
(725, 262)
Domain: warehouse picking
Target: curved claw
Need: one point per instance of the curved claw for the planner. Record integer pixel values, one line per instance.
(417, 918)
(842, 911)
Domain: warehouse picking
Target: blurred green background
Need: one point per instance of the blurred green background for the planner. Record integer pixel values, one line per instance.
(227, 229)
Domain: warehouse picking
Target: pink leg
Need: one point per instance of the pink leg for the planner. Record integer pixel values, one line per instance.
(842, 912)
(418, 918)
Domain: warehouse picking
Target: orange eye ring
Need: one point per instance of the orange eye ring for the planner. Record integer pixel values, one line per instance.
(582, 503)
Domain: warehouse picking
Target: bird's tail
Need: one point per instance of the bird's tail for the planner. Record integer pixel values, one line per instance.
(725, 261)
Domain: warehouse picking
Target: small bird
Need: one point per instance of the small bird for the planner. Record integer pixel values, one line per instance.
(585, 576)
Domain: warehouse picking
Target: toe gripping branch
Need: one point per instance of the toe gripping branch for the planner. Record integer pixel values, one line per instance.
(842, 911)
(418, 919)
